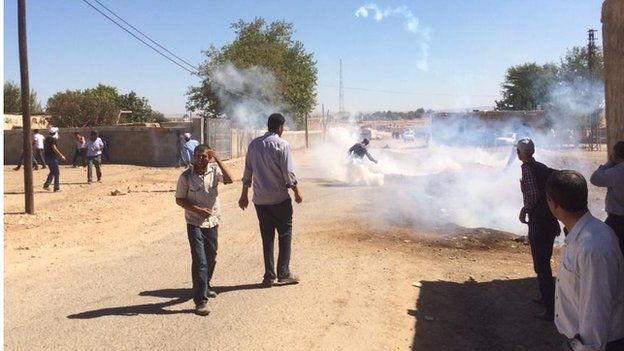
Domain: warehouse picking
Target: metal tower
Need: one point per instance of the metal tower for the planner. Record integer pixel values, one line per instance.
(340, 92)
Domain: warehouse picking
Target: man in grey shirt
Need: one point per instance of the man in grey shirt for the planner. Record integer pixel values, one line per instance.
(611, 176)
(269, 169)
(589, 294)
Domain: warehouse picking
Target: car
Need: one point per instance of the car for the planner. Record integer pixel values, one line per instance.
(506, 139)
(408, 135)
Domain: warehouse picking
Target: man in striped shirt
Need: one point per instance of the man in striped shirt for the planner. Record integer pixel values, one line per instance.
(543, 226)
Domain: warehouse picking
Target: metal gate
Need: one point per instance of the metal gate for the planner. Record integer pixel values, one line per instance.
(218, 134)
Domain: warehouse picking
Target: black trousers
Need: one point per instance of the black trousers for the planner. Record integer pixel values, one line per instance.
(270, 218)
(617, 224)
(541, 238)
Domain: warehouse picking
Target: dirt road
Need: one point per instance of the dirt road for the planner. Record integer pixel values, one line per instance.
(93, 271)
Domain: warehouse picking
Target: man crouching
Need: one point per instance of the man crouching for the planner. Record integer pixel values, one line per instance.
(197, 193)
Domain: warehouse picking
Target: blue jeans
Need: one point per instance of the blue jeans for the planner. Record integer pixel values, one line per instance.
(53, 165)
(272, 217)
(203, 242)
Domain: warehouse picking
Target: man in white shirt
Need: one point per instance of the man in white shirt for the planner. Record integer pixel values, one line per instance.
(38, 139)
(589, 294)
(94, 147)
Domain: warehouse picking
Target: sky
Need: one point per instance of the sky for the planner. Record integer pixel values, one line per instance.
(396, 55)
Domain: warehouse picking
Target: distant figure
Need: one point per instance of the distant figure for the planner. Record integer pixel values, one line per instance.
(543, 226)
(269, 167)
(589, 304)
(611, 176)
(186, 151)
(38, 140)
(523, 131)
(80, 149)
(358, 150)
(197, 193)
(94, 147)
(52, 155)
(35, 165)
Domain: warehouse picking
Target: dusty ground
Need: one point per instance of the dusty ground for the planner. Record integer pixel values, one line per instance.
(94, 271)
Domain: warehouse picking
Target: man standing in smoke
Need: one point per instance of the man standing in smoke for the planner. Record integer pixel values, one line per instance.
(358, 150)
(611, 176)
(269, 168)
(543, 226)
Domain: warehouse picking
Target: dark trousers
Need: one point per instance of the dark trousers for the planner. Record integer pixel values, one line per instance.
(270, 218)
(203, 242)
(39, 157)
(35, 165)
(617, 224)
(79, 153)
(55, 173)
(541, 238)
(97, 162)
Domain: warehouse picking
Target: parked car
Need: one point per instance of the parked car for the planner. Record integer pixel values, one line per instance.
(408, 135)
(506, 139)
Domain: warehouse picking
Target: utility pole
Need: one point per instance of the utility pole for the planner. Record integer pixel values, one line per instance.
(341, 92)
(306, 129)
(29, 198)
(593, 138)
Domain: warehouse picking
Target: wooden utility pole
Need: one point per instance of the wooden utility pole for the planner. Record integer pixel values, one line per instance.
(29, 198)
(306, 129)
(613, 46)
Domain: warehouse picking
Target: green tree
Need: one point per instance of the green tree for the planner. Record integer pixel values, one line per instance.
(269, 47)
(528, 86)
(13, 99)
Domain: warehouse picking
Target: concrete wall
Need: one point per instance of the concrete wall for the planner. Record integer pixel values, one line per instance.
(145, 146)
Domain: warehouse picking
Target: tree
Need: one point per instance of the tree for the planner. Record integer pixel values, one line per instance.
(527, 86)
(98, 106)
(13, 99)
(257, 48)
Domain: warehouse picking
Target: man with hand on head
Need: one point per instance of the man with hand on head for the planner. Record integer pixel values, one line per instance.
(197, 193)
(611, 176)
(589, 300)
(269, 167)
(543, 226)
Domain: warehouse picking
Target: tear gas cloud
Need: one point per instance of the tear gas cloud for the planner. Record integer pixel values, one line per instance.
(467, 174)
(247, 95)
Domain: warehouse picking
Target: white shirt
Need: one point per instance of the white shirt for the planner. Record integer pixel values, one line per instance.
(201, 190)
(92, 147)
(589, 295)
(38, 138)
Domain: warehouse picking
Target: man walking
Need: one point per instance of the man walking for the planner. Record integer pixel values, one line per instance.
(94, 146)
(52, 155)
(611, 176)
(38, 140)
(543, 226)
(80, 149)
(186, 152)
(269, 168)
(589, 302)
(197, 193)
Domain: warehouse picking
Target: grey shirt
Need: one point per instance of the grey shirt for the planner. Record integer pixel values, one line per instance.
(269, 169)
(201, 190)
(589, 296)
(611, 175)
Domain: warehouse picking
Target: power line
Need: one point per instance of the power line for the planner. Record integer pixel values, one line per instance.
(404, 92)
(139, 39)
(146, 36)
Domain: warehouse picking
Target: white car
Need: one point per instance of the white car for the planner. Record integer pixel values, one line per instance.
(507, 139)
(408, 135)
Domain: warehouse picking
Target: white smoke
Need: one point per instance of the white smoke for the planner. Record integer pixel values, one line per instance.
(411, 24)
(247, 95)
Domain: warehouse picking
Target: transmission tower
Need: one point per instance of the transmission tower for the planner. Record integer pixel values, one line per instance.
(593, 137)
(341, 92)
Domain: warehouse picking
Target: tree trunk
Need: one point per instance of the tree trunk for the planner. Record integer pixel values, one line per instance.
(613, 46)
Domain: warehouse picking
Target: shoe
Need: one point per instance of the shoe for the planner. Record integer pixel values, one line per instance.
(211, 293)
(46, 187)
(16, 169)
(202, 309)
(43, 167)
(36, 168)
(288, 280)
(57, 190)
(545, 316)
(267, 283)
